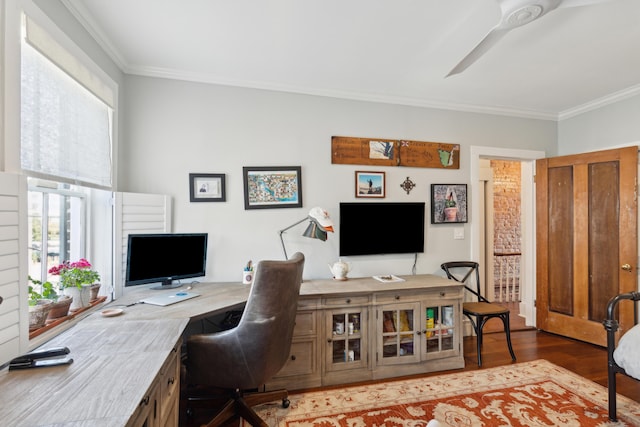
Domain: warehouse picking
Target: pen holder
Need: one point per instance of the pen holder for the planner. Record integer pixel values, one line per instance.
(247, 277)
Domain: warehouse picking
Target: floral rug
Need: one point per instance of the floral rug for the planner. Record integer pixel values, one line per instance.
(530, 394)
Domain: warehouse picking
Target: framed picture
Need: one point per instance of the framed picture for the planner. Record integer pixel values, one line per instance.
(370, 184)
(207, 187)
(272, 187)
(448, 203)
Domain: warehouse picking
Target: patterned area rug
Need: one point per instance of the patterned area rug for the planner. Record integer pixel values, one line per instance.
(530, 394)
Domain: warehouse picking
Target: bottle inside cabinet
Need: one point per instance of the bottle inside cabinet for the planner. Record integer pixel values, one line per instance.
(346, 341)
(397, 333)
(439, 328)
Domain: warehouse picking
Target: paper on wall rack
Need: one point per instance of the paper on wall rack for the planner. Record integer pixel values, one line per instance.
(388, 279)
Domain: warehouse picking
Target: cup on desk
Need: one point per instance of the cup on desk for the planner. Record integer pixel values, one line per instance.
(247, 277)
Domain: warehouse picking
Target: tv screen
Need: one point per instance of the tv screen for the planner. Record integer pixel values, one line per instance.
(164, 258)
(381, 228)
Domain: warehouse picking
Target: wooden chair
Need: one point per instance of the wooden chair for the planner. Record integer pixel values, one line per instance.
(478, 312)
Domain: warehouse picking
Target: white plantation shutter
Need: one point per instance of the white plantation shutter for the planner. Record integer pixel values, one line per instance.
(14, 317)
(136, 213)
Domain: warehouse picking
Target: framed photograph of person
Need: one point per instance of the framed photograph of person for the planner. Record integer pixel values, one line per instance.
(370, 184)
(207, 187)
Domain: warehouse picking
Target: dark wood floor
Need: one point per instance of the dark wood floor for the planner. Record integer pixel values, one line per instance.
(585, 359)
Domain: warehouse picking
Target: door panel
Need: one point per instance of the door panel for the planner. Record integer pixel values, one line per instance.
(560, 239)
(586, 218)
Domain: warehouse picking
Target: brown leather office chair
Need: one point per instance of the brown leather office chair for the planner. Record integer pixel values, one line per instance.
(478, 312)
(238, 361)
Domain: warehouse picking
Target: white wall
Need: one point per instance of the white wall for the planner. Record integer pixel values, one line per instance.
(613, 125)
(174, 128)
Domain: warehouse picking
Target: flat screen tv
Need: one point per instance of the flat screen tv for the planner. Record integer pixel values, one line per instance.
(164, 258)
(377, 228)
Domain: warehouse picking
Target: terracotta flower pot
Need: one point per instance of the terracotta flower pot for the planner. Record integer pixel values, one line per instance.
(60, 308)
(450, 214)
(95, 288)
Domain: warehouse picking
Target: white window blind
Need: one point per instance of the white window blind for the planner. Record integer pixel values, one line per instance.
(65, 128)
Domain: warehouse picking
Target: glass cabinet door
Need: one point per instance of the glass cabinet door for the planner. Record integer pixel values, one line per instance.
(346, 344)
(398, 329)
(439, 330)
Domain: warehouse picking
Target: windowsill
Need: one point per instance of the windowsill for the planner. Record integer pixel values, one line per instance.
(41, 335)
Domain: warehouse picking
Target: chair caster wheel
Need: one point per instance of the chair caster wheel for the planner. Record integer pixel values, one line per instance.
(286, 403)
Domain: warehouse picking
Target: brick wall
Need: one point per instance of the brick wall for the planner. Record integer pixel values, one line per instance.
(506, 205)
(507, 230)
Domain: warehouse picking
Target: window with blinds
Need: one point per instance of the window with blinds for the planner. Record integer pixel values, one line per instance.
(66, 127)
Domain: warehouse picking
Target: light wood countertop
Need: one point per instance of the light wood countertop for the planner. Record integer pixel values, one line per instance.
(116, 359)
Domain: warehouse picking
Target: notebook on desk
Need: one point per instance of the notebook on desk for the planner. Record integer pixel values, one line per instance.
(168, 299)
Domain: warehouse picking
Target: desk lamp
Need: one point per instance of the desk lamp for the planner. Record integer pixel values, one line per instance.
(319, 224)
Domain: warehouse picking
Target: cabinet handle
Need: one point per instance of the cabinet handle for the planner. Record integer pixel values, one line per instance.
(293, 357)
(329, 340)
(348, 300)
(418, 332)
(171, 381)
(397, 297)
(145, 401)
(1, 300)
(442, 294)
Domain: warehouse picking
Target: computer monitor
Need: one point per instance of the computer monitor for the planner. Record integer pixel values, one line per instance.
(165, 258)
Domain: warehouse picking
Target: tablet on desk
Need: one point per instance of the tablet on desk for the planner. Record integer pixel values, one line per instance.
(168, 299)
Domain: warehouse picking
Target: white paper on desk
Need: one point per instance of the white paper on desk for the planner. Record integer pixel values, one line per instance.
(388, 279)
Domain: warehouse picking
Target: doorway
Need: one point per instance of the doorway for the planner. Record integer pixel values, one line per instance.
(501, 187)
(526, 159)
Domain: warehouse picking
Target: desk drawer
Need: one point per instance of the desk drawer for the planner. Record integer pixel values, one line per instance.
(302, 359)
(306, 323)
(432, 295)
(346, 301)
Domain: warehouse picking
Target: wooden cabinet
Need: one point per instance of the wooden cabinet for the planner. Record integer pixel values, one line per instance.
(398, 333)
(346, 348)
(303, 366)
(159, 407)
(169, 399)
(358, 335)
(418, 332)
(147, 412)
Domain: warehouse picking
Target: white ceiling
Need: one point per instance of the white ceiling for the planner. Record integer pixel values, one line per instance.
(397, 51)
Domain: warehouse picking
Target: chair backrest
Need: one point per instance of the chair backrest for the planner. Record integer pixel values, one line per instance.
(465, 272)
(267, 323)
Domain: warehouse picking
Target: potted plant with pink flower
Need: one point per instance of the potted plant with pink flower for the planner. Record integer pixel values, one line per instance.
(76, 280)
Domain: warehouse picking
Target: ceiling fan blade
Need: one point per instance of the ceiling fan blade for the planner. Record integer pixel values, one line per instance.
(489, 40)
(573, 3)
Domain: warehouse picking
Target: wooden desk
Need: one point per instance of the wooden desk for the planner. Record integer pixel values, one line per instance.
(117, 360)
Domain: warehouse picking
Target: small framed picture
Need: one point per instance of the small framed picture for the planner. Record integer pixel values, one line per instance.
(207, 187)
(268, 187)
(448, 203)
(370, 184)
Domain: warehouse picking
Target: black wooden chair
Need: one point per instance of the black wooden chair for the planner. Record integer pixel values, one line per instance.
(621, 359)
(478, 312)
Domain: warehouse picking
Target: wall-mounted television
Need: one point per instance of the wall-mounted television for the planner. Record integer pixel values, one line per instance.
(165, 258)
(376, 228)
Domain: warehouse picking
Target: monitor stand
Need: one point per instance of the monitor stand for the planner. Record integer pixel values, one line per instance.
(167, 284)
